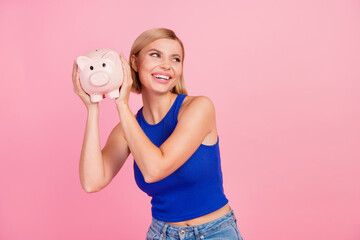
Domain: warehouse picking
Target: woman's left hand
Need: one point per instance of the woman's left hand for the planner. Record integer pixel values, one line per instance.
(127, 82)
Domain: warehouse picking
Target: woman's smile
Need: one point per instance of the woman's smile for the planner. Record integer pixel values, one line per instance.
(161, 77)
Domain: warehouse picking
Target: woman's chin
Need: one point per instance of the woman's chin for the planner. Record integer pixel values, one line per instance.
(160, 88)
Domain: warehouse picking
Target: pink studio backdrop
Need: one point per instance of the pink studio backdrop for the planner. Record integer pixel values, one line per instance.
(283, 75)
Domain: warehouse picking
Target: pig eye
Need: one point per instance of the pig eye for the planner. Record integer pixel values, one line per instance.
(91, 68)
(104, 64)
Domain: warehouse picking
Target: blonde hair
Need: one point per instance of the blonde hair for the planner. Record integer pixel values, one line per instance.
(146, 38)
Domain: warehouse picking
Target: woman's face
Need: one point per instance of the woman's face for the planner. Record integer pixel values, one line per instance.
(160, 65)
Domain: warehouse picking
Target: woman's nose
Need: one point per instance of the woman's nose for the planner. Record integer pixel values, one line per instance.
(165, 64)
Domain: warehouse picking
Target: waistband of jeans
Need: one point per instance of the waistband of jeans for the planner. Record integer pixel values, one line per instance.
(202, 229)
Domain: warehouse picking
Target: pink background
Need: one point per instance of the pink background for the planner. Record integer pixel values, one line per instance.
(285, 80)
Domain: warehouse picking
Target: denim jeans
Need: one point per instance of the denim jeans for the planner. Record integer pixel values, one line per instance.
(224, 228)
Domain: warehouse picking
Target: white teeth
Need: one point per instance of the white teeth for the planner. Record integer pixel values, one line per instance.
(162, 77)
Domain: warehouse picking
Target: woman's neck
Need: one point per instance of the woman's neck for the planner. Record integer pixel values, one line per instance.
(156, 106)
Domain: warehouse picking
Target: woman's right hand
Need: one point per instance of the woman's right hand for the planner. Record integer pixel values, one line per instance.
(79, 90)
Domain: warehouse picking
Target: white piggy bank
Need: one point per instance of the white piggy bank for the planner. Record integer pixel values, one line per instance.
(100, 73)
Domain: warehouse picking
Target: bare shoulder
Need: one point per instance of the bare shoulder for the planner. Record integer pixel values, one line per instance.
(197, 105)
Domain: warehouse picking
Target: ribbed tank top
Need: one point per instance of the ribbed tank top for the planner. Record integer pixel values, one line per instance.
(193, 190)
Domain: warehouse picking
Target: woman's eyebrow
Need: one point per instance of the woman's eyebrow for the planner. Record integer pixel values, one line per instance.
(155, 50)
(176, 55)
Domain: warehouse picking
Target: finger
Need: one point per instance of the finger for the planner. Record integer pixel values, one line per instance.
(75, 67)
(128, 69)
(130, 76)
(123, 61)
(78, 84)
(127, 75)
(77, 77)
(126, 64)
(74, 73)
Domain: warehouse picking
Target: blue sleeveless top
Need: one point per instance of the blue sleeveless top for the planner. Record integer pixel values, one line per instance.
(193, 190)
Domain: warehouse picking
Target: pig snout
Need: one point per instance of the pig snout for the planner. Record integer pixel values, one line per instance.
(99, 79)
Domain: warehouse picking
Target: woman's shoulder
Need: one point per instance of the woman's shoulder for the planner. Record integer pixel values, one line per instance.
(197, 104)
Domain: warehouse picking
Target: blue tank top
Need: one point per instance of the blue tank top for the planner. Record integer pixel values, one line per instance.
(193, 190)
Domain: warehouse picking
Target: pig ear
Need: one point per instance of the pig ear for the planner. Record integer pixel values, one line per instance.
(82, 61)
(112, 56)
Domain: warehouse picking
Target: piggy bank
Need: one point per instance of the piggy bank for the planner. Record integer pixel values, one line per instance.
(100, 73)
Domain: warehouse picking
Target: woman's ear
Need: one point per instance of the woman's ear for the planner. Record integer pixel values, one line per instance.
(134, 63)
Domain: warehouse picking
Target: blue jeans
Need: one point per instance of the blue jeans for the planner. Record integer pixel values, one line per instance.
(224, 228)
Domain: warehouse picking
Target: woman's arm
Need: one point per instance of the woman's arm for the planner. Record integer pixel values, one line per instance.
(195, 123)
(96, 167)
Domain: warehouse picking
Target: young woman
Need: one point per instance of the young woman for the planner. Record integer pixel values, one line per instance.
(173, 139)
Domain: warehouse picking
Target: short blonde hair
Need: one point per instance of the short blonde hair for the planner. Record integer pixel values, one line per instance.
(146, 38)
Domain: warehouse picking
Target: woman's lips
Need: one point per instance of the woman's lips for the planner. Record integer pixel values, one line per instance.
(161, 77)
(159, 80)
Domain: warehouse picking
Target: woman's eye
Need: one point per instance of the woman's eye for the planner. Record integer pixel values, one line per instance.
(176, 60)
(154, 54)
